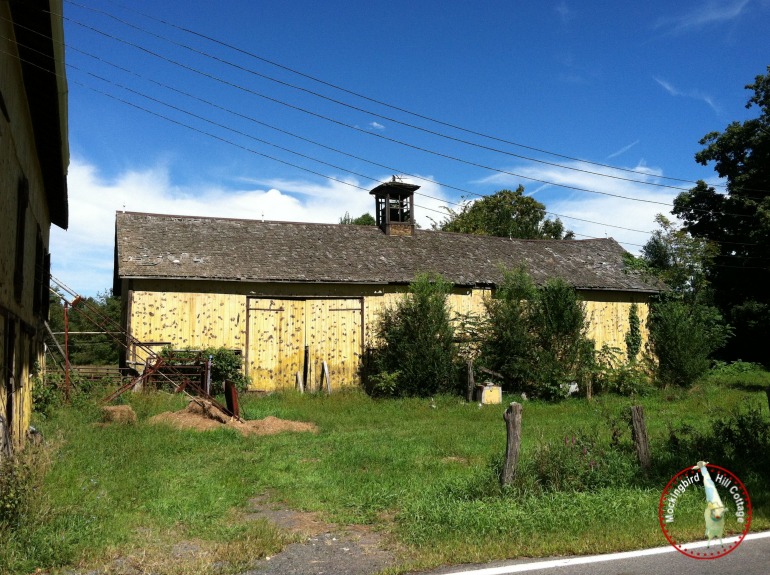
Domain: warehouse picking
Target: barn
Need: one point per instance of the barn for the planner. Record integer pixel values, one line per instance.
(272, 289)
(34, 156)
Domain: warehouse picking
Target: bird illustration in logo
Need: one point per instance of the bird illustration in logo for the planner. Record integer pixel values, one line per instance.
(715, 509)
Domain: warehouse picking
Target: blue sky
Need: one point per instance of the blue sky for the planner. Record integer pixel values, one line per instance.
(175, 106)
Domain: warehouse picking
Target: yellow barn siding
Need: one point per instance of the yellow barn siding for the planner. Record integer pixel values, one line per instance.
(336, 322)
(276, 342)
(187, 320)
(19, 162)
(17, 364)
(334, 335)
(279, 330)
(609, 320)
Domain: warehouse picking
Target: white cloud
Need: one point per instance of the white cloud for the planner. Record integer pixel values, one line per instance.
(711, 12)
(376, 126)
(694, 94)
(622, 150)
(82, 256)
(604, 207)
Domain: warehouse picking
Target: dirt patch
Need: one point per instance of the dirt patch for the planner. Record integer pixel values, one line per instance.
(200, 415)
(326, 549)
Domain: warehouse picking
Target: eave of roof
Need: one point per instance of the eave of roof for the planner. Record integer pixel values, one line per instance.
(40, 38)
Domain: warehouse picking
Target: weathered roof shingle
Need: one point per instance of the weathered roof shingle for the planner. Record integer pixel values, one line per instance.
(163, 246)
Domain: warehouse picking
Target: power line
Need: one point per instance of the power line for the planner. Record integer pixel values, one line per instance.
(390, 168)
(358, 129)
(373, 134)
(376, 101)
(288, 150)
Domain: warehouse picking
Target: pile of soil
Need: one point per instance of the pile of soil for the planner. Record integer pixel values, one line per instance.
(201, 415)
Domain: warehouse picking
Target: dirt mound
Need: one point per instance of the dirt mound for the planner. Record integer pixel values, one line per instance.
(201, 415)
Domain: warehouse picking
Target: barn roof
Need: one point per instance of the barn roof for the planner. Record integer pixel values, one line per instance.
(183, 247)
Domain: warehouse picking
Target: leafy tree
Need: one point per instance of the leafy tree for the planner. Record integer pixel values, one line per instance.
(738, 222)
(101, 349)
(418, 353)
(505, 214)
(363, 220)
(680, 260)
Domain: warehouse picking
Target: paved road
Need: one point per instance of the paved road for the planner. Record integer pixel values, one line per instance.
(752, 557)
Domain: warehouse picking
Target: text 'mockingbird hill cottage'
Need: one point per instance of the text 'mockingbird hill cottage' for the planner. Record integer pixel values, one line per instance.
(268, 289)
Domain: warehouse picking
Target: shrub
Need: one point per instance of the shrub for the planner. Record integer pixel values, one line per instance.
(612, 374)
(739, 440)
(45, 392)
(564, 351)
(417, 354)
(683, 337)
(508, 343)
(537, 336)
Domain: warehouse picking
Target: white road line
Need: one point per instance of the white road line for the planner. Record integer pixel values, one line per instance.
(524, 567)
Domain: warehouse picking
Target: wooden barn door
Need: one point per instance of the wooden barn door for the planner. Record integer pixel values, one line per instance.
(276, 342)
(334, 335)
(279, 330)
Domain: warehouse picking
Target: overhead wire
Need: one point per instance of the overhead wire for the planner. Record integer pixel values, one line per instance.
(314, 142)
(288, 150)
(379, 102)
(367, 132)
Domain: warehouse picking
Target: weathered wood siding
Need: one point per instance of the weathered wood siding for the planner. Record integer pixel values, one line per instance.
(608, 317)
(20, 338)
(272, 323)
(186, 320)
(280, 329)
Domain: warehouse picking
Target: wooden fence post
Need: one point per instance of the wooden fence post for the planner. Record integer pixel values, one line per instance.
(512, 417)
(639, 431)
(767, 391)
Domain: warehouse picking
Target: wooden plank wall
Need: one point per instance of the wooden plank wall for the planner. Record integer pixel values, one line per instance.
(272, 332)
(279, 330)
(608, 316)
(194, 320)
(276, 342)
(18, 162)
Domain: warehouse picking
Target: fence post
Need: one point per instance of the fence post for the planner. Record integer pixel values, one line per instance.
(512, 417)
(639, 430)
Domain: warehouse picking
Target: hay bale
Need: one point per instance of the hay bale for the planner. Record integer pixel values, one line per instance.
(118, 414)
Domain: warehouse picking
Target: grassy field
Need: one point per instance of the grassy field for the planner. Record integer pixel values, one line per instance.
(422, 471)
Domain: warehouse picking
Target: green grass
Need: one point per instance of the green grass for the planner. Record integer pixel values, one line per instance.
(423, 471)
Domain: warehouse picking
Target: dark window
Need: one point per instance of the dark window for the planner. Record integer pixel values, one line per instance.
(37, 296)
(21, 221)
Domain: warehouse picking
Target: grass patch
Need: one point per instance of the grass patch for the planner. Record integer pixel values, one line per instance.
(139, 494)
